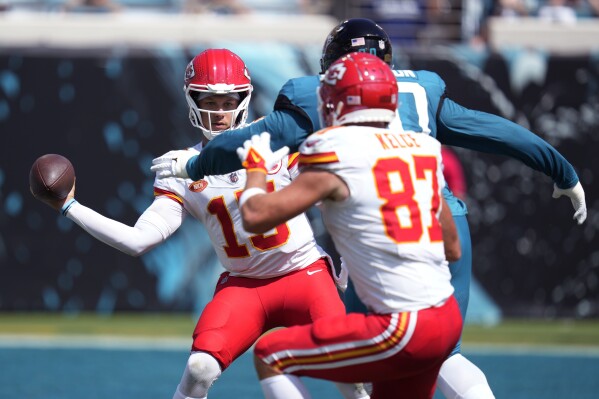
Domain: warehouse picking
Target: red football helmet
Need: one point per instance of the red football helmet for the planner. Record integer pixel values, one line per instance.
(212, 72)
(357, 88)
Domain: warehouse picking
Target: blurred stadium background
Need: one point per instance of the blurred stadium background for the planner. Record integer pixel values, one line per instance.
(104, 88)
(101, 81)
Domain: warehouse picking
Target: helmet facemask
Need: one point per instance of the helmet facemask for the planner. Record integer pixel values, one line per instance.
(239, 115)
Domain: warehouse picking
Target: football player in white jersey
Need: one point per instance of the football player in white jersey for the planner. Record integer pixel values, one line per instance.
(380, 195)
(276, 279)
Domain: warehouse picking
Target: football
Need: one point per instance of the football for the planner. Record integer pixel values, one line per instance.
(51, 177)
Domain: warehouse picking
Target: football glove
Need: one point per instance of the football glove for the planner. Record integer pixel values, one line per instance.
(576, 195)
(173, 163)
(256, 155)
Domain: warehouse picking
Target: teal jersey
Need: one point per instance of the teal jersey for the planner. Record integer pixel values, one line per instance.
(423, 107)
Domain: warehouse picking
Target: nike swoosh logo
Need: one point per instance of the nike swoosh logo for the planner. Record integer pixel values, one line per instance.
(311, 272)
(256, 158)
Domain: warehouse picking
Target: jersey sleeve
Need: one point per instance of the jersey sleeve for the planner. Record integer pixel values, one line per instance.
(484, 132)
(293, 165)
(328, 150)
(319, 150)
(154, 226)
(172, 188)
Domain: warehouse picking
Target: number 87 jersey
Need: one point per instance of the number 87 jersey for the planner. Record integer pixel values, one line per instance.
(387, 231)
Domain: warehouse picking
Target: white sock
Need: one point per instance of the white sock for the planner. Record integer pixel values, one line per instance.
(179, 395)
(200, 373)
(352, 391)
(459, 378)
(284, 386)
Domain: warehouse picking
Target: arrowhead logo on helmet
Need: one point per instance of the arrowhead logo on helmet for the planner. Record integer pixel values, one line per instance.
(189, 71)
(357, 88)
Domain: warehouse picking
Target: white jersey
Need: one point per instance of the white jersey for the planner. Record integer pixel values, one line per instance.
(214, 201)
(387, 231)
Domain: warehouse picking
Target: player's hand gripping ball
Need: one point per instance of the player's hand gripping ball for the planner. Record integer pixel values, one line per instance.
(51, 178)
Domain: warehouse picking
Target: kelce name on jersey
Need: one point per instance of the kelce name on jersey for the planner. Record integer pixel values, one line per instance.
(396, 140)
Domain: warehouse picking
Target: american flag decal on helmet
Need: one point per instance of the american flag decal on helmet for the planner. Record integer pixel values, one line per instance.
(359, 41)
(354, 100)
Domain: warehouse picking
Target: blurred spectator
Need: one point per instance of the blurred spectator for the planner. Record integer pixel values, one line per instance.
(224, 7)
(561, 11)
(228, 7)
(417, 22)
(443, 22)
(586, 8)
(515, 8)
(592, 6)
(92, 6)
(401, 19)
(315, 6)
(453, 172)
(474, 21)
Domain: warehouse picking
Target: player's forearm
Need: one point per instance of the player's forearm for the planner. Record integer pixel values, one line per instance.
(134, 241)
(219, 156)
(489, 133)
(253, 204)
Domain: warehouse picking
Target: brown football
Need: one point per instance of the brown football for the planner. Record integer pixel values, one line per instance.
(51, 177)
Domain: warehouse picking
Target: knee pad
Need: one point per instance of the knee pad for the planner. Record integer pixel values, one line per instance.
(200, 373)
(459, 378)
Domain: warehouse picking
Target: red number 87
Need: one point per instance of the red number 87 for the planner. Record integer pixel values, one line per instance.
(397, 199)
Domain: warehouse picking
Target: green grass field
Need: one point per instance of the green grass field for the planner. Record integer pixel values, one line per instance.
(535, 332)
(510, 331)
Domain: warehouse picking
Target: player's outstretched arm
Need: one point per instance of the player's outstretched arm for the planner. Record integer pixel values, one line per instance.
(484, 132)
(286, 127)
(155, 225)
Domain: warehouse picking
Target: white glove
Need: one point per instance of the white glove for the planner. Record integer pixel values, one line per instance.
(257, 155)
(576, 195)
(173, 163)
